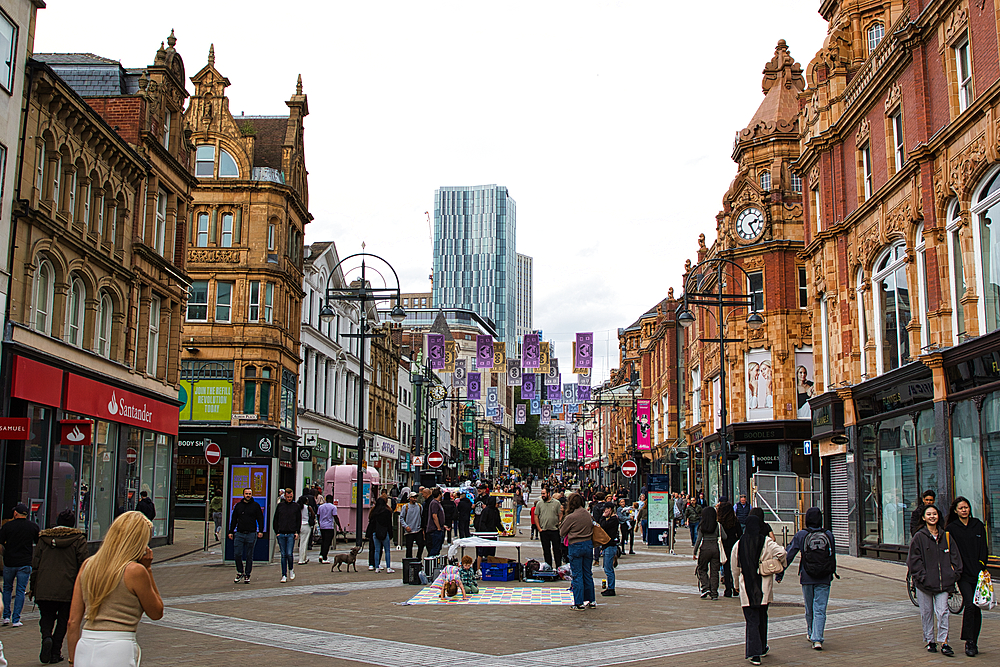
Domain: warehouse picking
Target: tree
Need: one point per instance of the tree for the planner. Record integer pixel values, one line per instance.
(527, 453)
(529, 429)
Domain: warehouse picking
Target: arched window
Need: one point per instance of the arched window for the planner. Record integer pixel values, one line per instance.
(956, 272)
(44, 296)
(227, 165)
(891, 295)
(765, 180)
(105, 313)
(876, 31)
(859, 286)
(922, 303)
(986, 237)
(74, 312)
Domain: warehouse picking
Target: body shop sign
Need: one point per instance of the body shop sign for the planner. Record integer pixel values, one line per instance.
(96, 399)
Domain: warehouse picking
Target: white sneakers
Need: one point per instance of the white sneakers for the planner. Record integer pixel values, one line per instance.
(371, 568)
(377, 569)
(389, 570)
(291, 575)
(284, 579)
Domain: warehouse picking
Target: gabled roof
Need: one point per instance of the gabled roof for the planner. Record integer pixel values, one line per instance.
(269, 138)
(440, 326)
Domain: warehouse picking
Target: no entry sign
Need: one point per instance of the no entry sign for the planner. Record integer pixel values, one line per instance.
(435, 459)
(629, 468)
(131, 456)
(213, 453)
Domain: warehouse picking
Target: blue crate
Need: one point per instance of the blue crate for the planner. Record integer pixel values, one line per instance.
(499, 571)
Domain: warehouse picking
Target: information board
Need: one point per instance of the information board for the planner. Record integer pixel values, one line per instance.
(254, 474)
(660, 509)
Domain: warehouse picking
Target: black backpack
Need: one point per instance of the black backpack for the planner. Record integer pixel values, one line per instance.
(818, 558)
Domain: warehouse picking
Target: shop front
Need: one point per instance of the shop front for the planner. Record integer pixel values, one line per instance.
(94, 444)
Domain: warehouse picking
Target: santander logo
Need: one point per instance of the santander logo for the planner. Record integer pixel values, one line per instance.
(112, 404)
(75, 435)
(116, 405)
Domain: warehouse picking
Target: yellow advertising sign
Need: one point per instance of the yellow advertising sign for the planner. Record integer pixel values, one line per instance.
(499, 358)
(449, 357)
(543, 356)
(207, 400)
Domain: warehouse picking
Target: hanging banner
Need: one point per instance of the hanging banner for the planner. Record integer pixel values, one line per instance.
(472, 389)
(520, 413)
(562, 449)
(435, 351)
(499, 357)
(569, 393)
(760, 398)
(528, 386)
(530, 351)
(472, 449)
(553, 392)
(492, 398)
(582, 392)
(552, 377)
(588, 441)
(449, 356)
(583, 378)
(498, 416)
(546, 414)
(460, 376)
(643, 432)
(805, 388)
(514, 374)
(491, 412)
(572, 409)
(484, 351)
(544, 360)
(536, 406)
(583, 353)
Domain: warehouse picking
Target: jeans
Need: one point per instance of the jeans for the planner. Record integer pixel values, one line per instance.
(435, 539)
(517, 517)
(243, 544)
(286, 545)
(383, 545)
(816, 596)
(972, 617)
(756, 618)
(53, 622)
(580, 556)
(932, 604)
(10, 574)
(645, 526)
(552, 547)
(693, 525)
(609, 565)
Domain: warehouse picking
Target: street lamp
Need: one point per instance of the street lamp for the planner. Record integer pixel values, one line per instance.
(363, 294)
(720, 300)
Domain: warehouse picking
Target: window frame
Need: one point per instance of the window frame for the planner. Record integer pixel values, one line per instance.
(200, 162)
(956, 271)
(165, 135)
(201, 231)
(191, 303)
(859, 286)
(160, 231)
(75, 311)
(226, 155)
(898, 140)
(874, 34)
(8, 82)
(269, 303)
(892, 266)
(981, 205)
(224, 232)
(765, 180)
(153, 339)
(104, 326)
(253, 301)
(756, 294)
(803, 287)
(920, 248)
(44, 267)
(867, 170)
(796, 182)
(962, 52)
(224, 288)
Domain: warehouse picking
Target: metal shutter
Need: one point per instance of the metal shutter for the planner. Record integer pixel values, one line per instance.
(838, 502)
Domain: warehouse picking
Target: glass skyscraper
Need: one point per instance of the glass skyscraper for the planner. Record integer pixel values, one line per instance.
(475, 261)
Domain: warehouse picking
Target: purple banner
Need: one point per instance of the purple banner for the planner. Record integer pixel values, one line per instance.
(486, 447)
(569, 393)
(472, 388)
(531, 352)
(643, 430)
(582, 392)
(435, 351)
(484, 351)
(546, 414)
(528, 386)
(584, 350)
(520, 413)
(553, 392)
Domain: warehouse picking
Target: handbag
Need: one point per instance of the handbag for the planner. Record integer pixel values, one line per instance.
(600, 536)
(984, 597)
(769, 566)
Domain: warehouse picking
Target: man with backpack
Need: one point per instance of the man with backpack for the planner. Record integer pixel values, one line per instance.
(817, 567)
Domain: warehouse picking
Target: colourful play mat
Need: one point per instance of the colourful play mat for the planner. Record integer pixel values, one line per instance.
(548, 595)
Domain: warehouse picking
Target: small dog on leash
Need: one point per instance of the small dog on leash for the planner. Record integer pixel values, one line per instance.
(350, 559)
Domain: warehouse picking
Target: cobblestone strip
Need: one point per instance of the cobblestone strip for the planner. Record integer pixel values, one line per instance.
(251, 593)
(693, 590)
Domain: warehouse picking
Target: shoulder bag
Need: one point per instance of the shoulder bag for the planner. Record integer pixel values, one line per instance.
(769, 566)
(600, 536)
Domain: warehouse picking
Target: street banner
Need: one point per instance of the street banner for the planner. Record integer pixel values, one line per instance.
(553, 392)
(492, 397)
(544, 358)
(562, 449)
(520, 413)
(546, 414)
(530, 352)
(572, 408)
(584, 378)
(528, 385)
(536, 406)
(579, 447)
(435, 351)
(486, 447)
(569, 393)
(552, 376)
(484, 351)
(460, 377)
(588, 441)
(499, 357)
(472, 389)
(449, 356)
(498, 416)
(514, 374)
(584, 350)
(472, 449)
(643, 432)
(491, 412)
(582, 392)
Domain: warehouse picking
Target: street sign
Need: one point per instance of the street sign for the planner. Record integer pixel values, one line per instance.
(213, 453)
(629, 468)
(131, 456)
(807, 447)
(435, 459)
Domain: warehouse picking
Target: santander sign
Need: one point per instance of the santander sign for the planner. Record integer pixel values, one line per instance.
(96, 399)
(129, 411)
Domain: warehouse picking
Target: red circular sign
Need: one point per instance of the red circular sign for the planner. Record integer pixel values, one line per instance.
(435, 459)
(629, 468)
(131, 456)
(213, 453)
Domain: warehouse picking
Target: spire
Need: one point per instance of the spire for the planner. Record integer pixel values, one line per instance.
(298, 86)
(172, 39)
(211, 55)
(781, 85)
(161, 55)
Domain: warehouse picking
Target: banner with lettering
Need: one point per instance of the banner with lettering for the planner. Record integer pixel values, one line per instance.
(473, 387)
(498, 416)
(569, 393)
(582, 392)
(491, 412)
(435, 351)
(553, 376)
(643, 426)
(584, 350)
(553, 392)
(528, 386)
(514, 374)
(492, 397)
(584, 378)
(588, 441)
(520, 413)
(530, 352)
(486, 447)
(484, 351)
(449, 356)
(546, 414)
(460, 377)
(499, 357)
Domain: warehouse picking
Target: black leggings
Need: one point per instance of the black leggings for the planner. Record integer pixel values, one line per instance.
(972, 617)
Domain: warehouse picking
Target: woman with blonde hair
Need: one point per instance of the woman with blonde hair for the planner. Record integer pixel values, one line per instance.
(114, 588)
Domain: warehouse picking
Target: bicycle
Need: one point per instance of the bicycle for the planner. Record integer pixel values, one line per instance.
(955, 602)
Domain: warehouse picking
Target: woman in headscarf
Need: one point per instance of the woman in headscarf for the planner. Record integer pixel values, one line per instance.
(707, 553)
(969, 535)
(756, 589)
(729, 522)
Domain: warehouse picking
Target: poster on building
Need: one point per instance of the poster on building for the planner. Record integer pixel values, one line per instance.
(449, 356)
(760, 374)
(492, 397)
(582, 392)
(535, 406)
(472, 388)
(435, 351)
(552, 377)
(514, 374)
(805, 383)
(588, 441)
(499, 357)
(520, 413)
(459, 378)
(643, 430)
(206, 400)
(528, 386)
(484, 351)
(530, 352)
(546, 414)
(544, 357)
(562, 449)
(584, 350)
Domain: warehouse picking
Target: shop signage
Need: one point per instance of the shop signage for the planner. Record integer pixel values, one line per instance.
(15, 428)
(974, 372)
(387, 449)
(244, 417)
(286, 452)
(76, 432)
(895, 397)
(207, 400)
(37, 382)
(760, 434)
(305, 454)
(96, 399)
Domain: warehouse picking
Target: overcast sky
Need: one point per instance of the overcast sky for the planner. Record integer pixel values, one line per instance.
(611, 123)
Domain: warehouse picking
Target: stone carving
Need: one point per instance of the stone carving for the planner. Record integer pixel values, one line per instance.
(701, 242)
(897, 219)
(212, 256)
(814, 176)
(806, 331)
(956, 22)
(864, 131)
(892, 101)
(755, 262)
(964, 165)
(868, 244)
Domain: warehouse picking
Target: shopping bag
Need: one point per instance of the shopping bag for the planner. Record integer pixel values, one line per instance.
(984, 598)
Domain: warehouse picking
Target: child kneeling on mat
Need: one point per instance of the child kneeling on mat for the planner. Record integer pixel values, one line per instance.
(468, 576)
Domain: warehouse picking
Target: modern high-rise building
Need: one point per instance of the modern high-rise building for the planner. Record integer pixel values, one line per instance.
(524, 301)
(475, 263)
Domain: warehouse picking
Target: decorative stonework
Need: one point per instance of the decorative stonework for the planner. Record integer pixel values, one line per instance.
(964, 165)
(212, 256)
(956, 22)
(897, 219)
(754, 262)
(864, 132)
(814, 176)
(892, 101)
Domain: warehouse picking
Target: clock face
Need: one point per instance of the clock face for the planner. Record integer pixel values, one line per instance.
(750, 224)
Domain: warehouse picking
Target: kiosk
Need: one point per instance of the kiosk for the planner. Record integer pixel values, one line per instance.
(261, 476)
(341, 481)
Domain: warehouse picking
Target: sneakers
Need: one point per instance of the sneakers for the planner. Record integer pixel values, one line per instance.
(818, 646)
(577, 607)
(291, 575)
(704, 594)
(755, 660)
(371, 568)
(284, 579)
(389, 570)
(945, 649)
(971, 649)
(377, 569)
(6, 621)
(767, 649)
(238, 579)
(19, 624)
(591, 605)
(608, 593)
(324, 561)
(246, 578)
(931, 647)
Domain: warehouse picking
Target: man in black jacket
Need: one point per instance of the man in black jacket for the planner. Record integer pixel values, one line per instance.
(286, 522)
(245, 525)
(145, 505)
(17, 539)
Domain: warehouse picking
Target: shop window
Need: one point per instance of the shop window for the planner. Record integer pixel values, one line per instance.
(105, 315)
(223, 301)
(966, 456)
(74, 312)
(201, 235)
(990, 434)
(956, 273)
(44, 297)
(153, 347)
(987, 245)
(99, 496)
(892, 309)
(197, 308)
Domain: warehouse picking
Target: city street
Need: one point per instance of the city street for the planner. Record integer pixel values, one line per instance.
(343, 618)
